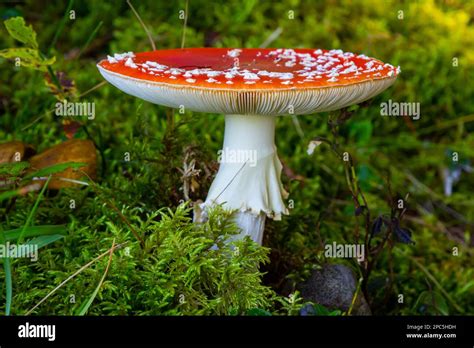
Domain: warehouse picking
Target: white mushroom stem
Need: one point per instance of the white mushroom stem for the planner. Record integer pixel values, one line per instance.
(248, 180)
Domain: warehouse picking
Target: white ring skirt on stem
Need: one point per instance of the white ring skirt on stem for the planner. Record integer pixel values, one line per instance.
(248, 180)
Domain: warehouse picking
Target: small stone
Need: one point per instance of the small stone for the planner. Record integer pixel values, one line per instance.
(334, 286)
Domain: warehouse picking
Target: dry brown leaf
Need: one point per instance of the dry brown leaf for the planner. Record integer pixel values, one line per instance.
(74, 150)
(15, 151)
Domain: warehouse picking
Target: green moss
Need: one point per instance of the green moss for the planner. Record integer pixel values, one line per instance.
(148, 191)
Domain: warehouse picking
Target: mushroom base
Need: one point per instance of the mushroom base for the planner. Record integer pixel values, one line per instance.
(248, 180)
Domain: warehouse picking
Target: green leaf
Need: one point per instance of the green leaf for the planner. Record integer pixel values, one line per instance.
(56, 168)
(17, 29)
(29, 58)
(258, 312)
(42, 241)
(36, 231)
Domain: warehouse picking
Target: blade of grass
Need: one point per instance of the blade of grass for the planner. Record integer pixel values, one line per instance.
(354, 298)
(87, 265)
(8, 277)
(89, 40)
(55, 168)
(433, 279)
(35, 231)
(9, 194)
(61, 25)
(33, 211)
(85, 306)
(438, 285)
(42, 241)
(58, 32)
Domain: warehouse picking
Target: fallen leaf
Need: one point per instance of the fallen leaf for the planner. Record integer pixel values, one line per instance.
(15, 151)
(75, 151)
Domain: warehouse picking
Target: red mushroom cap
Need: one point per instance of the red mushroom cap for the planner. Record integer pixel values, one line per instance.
(318, 72)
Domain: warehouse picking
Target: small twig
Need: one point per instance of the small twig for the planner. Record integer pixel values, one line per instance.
(87, 265)
(96, 291)
(185, 24)
(335, 120)
(37, 119)
(93, 88)
(272, 37)
(143, 25)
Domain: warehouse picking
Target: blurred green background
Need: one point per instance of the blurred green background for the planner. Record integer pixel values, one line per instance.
(432, 42)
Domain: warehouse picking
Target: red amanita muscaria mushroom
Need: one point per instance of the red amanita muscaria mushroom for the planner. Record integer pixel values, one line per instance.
(249, 86)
